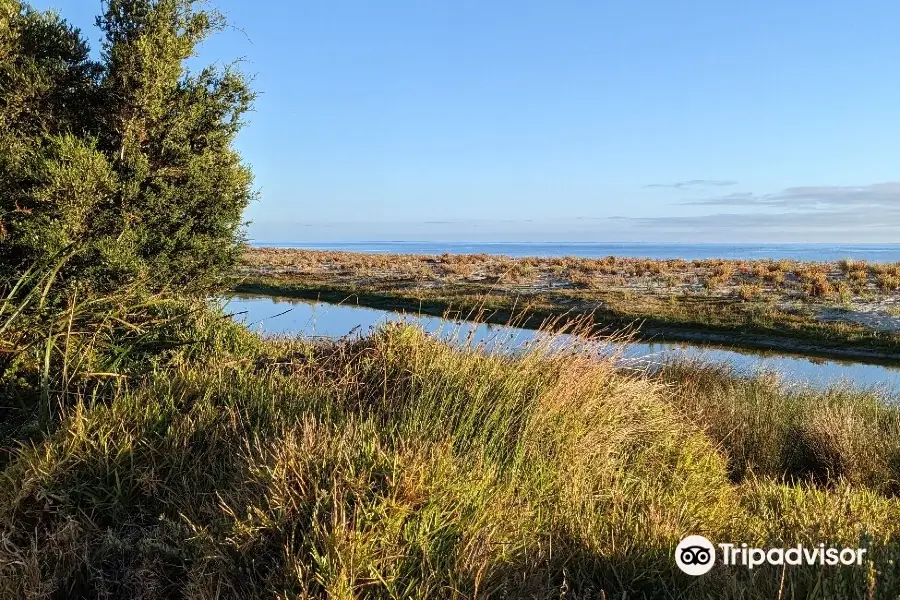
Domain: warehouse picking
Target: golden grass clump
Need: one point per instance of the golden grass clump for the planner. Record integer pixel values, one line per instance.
(814, 279)
(888, 282)
(858, 275)
(748, 291)
(724, 270)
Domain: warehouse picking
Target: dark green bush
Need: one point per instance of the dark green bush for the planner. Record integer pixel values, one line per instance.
(127, 163)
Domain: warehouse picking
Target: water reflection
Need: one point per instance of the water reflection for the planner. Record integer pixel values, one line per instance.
(286, 316)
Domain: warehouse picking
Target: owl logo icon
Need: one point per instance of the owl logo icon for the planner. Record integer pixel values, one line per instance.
(695, 555)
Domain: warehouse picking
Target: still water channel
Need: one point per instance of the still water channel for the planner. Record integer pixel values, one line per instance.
(287, 316)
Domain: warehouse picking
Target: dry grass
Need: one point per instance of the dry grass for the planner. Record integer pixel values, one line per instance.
(750, 291)
(888, 282)
(781, 278)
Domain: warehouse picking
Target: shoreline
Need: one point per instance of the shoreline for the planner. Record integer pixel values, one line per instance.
(871, 252)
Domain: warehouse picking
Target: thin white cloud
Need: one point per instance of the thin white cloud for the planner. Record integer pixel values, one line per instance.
(692, 183)
(871, 196)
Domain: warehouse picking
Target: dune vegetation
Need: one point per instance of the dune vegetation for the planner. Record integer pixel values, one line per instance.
(159, 450)
(839, 309)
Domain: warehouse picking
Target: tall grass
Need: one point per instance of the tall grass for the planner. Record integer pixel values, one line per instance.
(798, 435)
(60, 345)
(400, 466)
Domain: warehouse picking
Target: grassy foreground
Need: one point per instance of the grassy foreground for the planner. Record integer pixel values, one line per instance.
(837, 309)
(398, 466)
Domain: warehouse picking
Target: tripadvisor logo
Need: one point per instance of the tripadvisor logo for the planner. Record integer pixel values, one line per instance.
(696, 555)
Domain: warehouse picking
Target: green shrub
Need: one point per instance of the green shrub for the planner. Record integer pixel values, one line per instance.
(127, 163)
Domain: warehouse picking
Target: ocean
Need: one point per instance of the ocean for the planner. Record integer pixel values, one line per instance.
(804, 252)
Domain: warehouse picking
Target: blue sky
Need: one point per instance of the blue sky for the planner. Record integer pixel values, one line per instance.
(497, 120)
